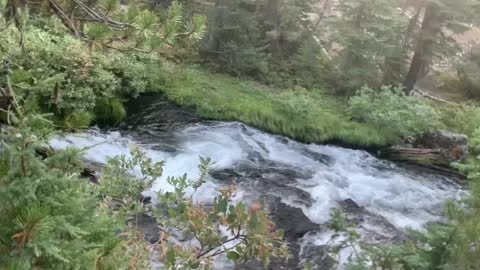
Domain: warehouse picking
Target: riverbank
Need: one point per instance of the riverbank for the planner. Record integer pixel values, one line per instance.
(311, 116)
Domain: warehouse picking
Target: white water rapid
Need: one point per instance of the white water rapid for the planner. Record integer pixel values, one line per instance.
(316, 178)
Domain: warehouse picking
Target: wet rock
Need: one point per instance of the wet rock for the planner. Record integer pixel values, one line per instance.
(319, 157)
(317, 257)
(271, 178)
(153, 119)
(90, 174)
(149, 227)
(291, 219)
(350, 206)
(225, 175)
(145, 199)
(159, 114)
(374, 226)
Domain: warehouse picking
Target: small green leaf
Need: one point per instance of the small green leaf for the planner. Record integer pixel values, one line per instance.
(171, 257)
(232, 255)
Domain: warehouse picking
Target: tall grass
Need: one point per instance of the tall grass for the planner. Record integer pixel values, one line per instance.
(308, 116)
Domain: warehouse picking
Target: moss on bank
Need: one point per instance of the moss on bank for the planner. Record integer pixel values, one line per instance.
(308, 116)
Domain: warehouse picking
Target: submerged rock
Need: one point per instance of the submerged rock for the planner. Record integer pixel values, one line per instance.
(373, 226)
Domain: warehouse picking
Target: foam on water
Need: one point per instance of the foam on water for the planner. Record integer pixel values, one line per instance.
(404, 199)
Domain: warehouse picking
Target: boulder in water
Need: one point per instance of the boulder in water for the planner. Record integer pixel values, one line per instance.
(291, 219)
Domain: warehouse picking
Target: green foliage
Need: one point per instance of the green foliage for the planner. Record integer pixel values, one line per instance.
(251, 235)
(260, 40)
(311, 68)
(60, 73)
(309, 116)
(468, 73)
(369, 33)
(464, 118)
(51, 219)
(77, 121)
(391, 109)
(109, 111)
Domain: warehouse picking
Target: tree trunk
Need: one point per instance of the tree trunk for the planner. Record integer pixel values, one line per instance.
(395, 64)
(412, 24)
(213, 43)
(422, 58)
(272, 9)
(321, 15)
(352, 58)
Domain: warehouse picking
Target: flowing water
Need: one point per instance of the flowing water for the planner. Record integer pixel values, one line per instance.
(312, 179)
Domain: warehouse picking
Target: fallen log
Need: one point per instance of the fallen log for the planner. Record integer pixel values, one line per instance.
(419, 155)
(432, 159)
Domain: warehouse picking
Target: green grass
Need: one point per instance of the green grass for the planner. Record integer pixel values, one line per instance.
(307, 116)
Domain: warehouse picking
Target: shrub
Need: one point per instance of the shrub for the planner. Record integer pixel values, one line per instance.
(462, 119)
(66, 77)
(52, 219)
(390, 108)
(109, 111)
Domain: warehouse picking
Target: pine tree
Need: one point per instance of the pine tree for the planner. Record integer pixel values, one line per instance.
(110, 24)
(367, 31)
(439, 15)
(250, 38)
(51, 218)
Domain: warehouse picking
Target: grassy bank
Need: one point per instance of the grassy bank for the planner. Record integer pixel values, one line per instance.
(308, 116)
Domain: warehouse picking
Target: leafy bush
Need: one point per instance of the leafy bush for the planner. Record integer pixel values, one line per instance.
(462, 119)
(390, 108)
(66, 77)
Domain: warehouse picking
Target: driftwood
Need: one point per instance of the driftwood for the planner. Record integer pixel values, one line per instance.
(432, 159)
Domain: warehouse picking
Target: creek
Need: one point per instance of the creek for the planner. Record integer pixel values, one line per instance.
(302, 183)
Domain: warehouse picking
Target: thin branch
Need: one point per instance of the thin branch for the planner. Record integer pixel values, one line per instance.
(240, 237)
